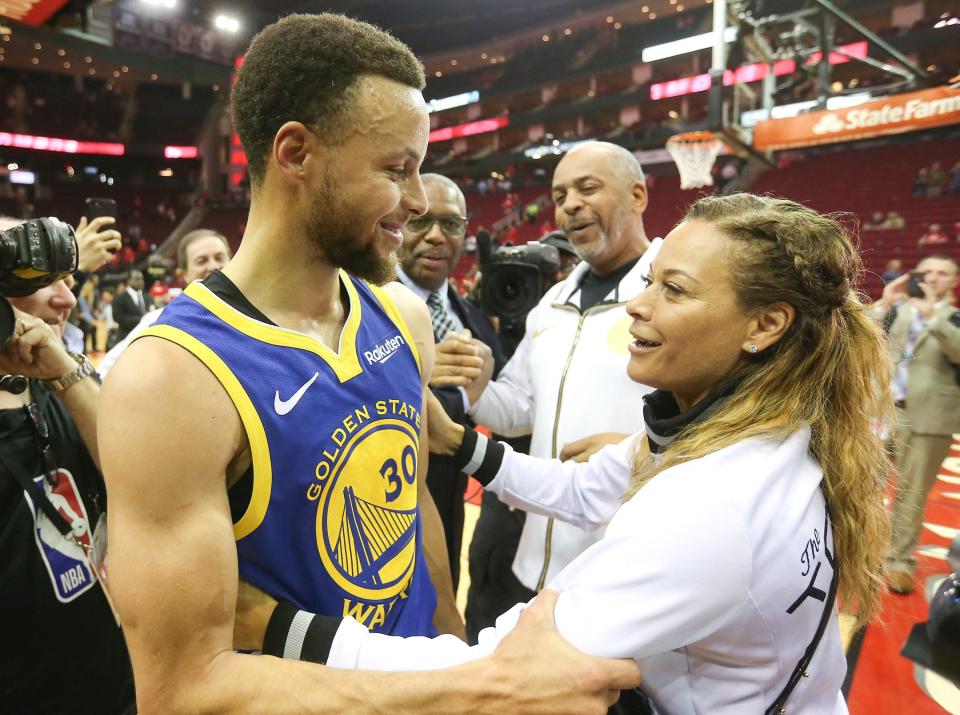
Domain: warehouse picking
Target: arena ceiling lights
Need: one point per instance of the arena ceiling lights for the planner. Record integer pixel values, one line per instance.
(555, 148)
(482, 126)
(67, 146)
(457, 100)
(226, 23)
(687, 44)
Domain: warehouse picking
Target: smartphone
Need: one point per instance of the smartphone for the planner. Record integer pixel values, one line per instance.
(95, 208)
(913, 284)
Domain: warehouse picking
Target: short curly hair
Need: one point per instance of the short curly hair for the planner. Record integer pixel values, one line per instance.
(305, 68)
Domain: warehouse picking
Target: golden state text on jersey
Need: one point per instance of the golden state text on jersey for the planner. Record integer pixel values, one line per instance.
(331, 522)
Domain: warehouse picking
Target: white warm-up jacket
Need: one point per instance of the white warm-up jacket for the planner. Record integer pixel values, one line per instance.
(713, 577)
(567, 380)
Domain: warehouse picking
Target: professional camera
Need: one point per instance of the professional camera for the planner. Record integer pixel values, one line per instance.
(516, 277)
(33, 255)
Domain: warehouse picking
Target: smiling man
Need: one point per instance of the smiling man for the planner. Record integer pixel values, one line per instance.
(289, 390)
(432, 246)
(573, 355)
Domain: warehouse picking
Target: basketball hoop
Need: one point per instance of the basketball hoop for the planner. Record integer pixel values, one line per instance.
(694, 154)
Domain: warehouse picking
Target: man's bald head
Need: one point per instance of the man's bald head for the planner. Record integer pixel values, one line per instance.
(441, 179)
(430, 252)
(600, 196)
(448, 186)
(621, 161)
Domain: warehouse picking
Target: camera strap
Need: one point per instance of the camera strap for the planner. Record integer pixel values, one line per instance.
(39, 497)
(41, 434)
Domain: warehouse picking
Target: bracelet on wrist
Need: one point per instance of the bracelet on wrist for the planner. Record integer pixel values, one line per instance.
(84, 369)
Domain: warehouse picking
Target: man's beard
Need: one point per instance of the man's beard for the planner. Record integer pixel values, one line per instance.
(333, 232)
(595, 249)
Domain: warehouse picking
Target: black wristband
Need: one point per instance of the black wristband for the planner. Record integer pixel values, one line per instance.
(298, 635)
(478, 456)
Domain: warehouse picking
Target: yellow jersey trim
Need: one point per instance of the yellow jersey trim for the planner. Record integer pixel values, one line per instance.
(257, 436)
(345, 363)
(386, 302)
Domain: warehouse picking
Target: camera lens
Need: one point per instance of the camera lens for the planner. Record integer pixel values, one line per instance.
(511, 290)
(8, 322)
(8, 251)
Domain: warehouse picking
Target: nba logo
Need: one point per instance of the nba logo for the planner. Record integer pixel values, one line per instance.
(64, 556)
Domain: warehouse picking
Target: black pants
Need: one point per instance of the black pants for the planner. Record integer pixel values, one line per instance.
(631, 703)
(447, 485)
(493, 587)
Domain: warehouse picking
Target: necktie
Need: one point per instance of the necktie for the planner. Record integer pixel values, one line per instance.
(442, 325)
(902, 368)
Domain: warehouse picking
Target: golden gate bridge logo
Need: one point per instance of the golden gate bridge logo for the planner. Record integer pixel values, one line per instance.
(370, 536)
(367, 515)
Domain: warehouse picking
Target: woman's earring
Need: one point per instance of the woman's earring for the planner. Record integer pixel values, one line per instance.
(752, 349)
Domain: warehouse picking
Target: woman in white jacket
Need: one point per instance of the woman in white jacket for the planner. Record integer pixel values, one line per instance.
(752, 500)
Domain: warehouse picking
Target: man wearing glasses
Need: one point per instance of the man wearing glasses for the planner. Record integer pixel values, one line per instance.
(432, 245)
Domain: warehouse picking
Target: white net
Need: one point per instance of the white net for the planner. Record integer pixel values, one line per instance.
(694, 154)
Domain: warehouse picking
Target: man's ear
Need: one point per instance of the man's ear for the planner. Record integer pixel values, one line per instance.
(638, 189)
(769, 325)
(291, 146)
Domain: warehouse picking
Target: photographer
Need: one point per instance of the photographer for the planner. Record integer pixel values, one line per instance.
(70, 655)
(924, 344)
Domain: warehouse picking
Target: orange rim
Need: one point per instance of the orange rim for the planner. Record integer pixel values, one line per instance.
(693, 138)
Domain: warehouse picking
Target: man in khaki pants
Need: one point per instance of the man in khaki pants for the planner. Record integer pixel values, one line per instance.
(925, 348)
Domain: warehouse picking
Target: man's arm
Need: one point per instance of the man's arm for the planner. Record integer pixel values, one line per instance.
(173, 575)
(36, 351)
(447, 618)
(110, 359)
(945, 329)
(505, 405)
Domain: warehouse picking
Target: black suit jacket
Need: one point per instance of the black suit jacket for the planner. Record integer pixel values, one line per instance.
(447, 484)
(127, 313)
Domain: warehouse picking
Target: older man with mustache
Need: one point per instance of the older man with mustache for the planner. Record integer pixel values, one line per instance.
(432, 246)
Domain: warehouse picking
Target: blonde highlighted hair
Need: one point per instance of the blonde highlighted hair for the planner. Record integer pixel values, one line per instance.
(829, 371)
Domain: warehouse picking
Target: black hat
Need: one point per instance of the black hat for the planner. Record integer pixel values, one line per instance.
(936, 643)
(558, 240)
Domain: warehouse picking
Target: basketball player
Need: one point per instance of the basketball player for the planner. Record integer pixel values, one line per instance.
(287, 392)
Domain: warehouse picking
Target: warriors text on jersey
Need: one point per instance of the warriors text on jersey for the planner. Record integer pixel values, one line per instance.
(331, 523)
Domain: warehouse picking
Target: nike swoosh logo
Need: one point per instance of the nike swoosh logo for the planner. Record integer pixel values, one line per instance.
(284, 406)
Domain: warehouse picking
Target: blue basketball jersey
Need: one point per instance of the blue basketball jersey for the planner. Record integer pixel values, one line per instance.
(332, 525)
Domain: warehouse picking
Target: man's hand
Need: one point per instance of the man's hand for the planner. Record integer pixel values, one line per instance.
(254, 608)
(444, 435)
(895, 291)
(96, 247)
(35, 350)
(459, 360)
(582, 449)
(548, 676)
(927, 304)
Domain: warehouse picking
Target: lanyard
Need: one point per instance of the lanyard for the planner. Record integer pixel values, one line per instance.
(41, 434)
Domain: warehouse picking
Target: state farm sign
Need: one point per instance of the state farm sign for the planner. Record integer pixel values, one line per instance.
(888, 115)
